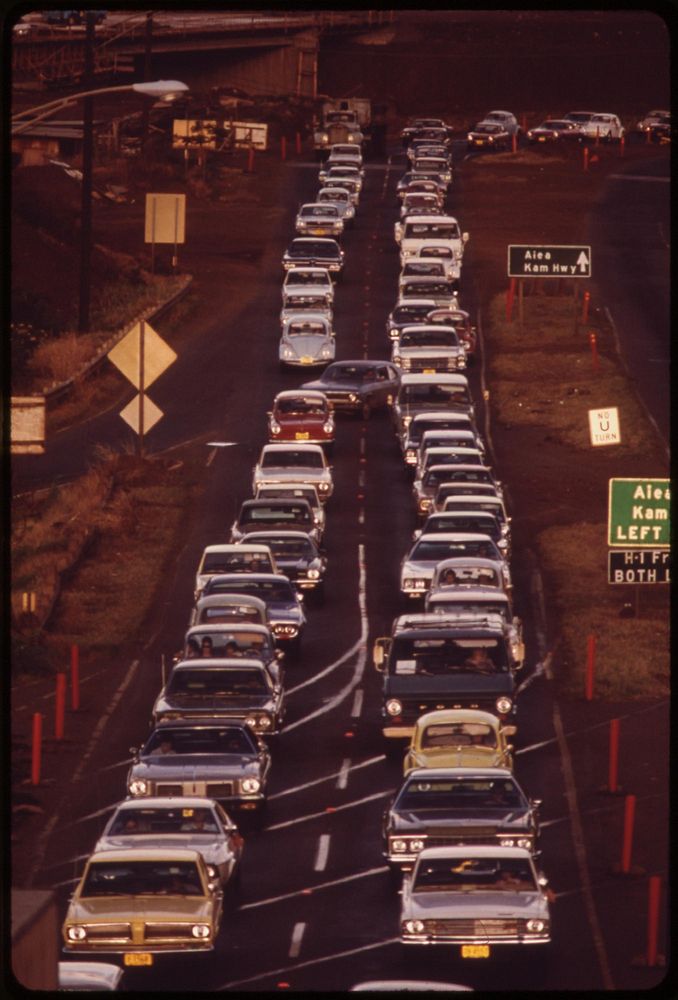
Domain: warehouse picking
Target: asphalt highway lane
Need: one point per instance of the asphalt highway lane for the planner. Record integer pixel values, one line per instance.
(318, 910)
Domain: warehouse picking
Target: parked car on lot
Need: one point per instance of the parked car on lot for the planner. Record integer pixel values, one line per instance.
(294, 462)
(318, 218)
(359, 386)
(488, 135)
(284, 604)
(307, 339)
(602, 125)
(138, 902)
(459, 737)
(553, 129)
(505, 119)
(299, 558)
(229, 559)
(221, 760)
(196, 823)
(240, 689)
(314, 251)
(476, 897)
(302, 415)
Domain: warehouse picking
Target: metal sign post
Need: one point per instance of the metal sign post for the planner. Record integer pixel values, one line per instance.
(140, 439)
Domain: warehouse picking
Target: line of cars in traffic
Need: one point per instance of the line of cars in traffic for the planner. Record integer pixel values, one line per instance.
(157, 878)
(498, 130)
(460, 834)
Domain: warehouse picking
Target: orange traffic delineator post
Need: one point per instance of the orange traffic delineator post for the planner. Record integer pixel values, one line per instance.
(60, 705)
(75, 678)
(625, 867)
(612, 785)
(590, 666)
(593, 341)
(36, 748)
(652, 957)
(585, 307)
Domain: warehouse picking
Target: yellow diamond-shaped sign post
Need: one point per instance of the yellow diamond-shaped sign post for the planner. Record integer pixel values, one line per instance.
(142, 355)
(141, 419)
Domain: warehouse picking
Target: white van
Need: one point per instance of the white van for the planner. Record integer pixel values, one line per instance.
(417, 231)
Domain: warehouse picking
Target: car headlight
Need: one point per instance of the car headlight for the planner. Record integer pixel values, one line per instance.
(424, 503)
(396, 359)
(398, 846)
(406, 421)
(524, 842)
(328, 426)
(414, 926)
(417, 845)
(507, 842)
(353, 397)
(394, 707)
(200, 930)
(138, 786)
(76, 933)
(410, 455)
(274, 427)
(250, 785)
(503, 705)
(313, 574)
(469, 137)
(212, 871)
(323, 487)
(264, 722)
(326, 352)
(535, 926)
(287, 352)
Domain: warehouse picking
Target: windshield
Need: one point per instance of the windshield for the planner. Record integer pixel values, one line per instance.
(462, 605)
(199, 740)
(431, 231)
(409, 314)
(297, 276)
(290, 457)
(426, 550)
(433, 477)
(313, 248)
(474, 874)
(434, 395)
(475, 524)
(271, 591)
(350, 373)
(302, 406)
(429, 287)
(143, 878)
(231, 643)
(458, 734)
(245, 562)
(461, 793)
(440, 337)
(440, 655)
(297, 548)
(293, 514)
(306, 330)
(210, 683)
(162, 820)
(319, 210)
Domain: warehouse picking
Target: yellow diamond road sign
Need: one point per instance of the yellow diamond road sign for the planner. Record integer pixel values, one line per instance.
(127, 355)
(151, 414)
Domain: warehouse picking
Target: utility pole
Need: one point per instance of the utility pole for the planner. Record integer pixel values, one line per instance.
(86, 194)
(148, 44)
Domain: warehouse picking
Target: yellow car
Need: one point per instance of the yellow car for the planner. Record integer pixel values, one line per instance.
(459, 738)
(137, 902)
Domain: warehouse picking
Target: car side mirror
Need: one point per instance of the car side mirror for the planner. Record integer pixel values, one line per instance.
(379, 651)
(535, 803)
(416, 534)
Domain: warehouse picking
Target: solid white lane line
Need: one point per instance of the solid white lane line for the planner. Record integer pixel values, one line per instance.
(357, 703)
(297, 935)
(336, 809)
(359, 668)
(310, 962)
(322, 853)
(326, 777)
(342, 780)
(638, 177)
(328, 670)
(315, 888)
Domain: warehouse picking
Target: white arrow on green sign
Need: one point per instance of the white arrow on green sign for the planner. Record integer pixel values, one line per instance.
(639, 513)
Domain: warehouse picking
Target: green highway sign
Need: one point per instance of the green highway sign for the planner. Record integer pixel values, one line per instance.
(639, 513)
(549, 261)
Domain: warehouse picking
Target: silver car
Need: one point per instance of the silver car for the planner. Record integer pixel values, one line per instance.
(476, 897)
(294, 463)
(319, 219)
(419, 565)
(195, 822)
(300, 303)
(220, 760)
(341, 198)
(307, 339)
(428, 348)
(311, 280)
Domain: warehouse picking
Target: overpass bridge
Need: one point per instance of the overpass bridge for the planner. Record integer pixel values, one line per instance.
(259, 52)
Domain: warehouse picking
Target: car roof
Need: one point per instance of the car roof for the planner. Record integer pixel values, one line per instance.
(218, 663)
(146, 853)
(432, 218)
(294, 393)
(280, 446)
(232, 547)
(460, 715)
(452, 536)
(461, 772)
(262, 502)
(285, 533)
(219, 627)
(217, 600)
(444, 378)
(454, 595)
(154, 801)
(474, 850)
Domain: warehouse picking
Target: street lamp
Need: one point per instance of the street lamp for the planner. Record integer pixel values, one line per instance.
(165, 90)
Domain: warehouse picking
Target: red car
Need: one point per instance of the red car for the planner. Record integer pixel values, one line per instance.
(302, 415)
(461, 321)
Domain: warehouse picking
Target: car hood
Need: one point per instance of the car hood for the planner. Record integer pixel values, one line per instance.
(430, 352)
(125, 908)
(195, 767)
(307, 345)
(206, 843)
(462, 683)
(422, 567)
(471, 756)
(475, 905)
(439, 820)
(244, 702)
(341, 385)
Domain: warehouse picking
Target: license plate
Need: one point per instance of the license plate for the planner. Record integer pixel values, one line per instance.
(475, 951)
(302, 435)
(429, 371)
(319, 231)
(306, 359)
(138, 958)
(541, 138)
